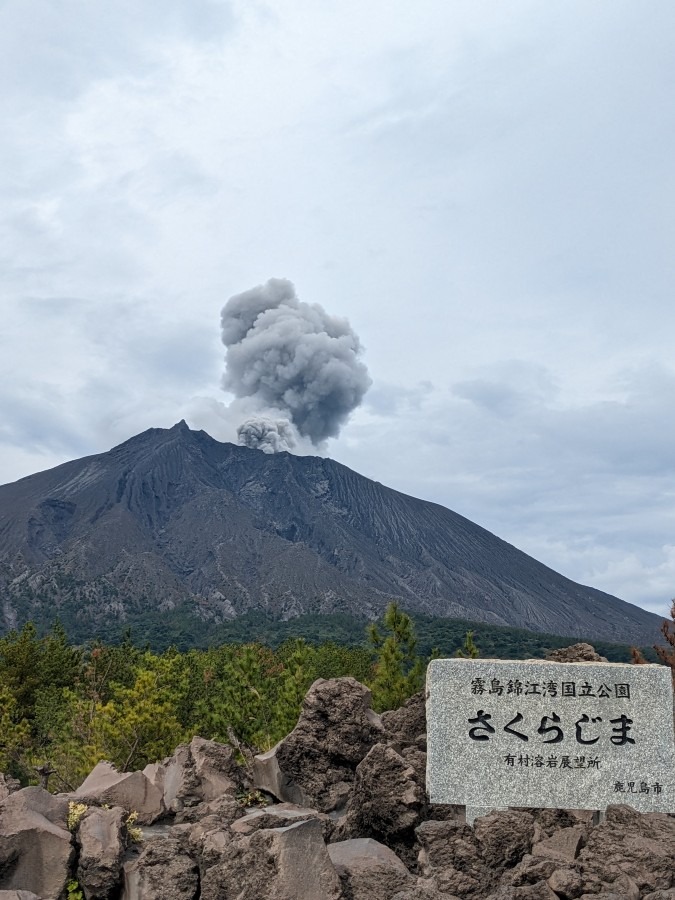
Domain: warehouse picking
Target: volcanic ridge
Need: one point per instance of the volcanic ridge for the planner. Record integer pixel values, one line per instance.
(173, 516)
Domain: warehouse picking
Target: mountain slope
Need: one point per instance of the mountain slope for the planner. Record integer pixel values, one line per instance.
(173, 515)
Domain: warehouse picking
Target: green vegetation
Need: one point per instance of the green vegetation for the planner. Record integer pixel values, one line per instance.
(180, 628)
(70, 707)
(134, 833)
(64, 707)
(74, 891)
(468, 650)
(398, 671)
(506, 643)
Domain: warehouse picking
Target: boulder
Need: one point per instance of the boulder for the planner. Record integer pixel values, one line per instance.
(603, 895)
(638, 845)
(538, 891)
(626, 887)
(451, 859)
(368, 870)
(279, 815)
(548, 821)
(18, 895)
(575, 653)
(388, 797)
(505, 837)
(417, 759)
(563, 845)
(163, 871)
(101, 844)
(315, 764)
(197, 773)
(407, 726)
(446, 812)
(33, 826)
(289, 863)
(423, 889)
(130, 790)
(8, 785)
(167, 776)
(530, 870)
(566, 883)
(194, 836)
(226, 809)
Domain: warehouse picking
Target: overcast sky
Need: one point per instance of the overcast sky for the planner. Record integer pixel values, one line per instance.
(486, 191)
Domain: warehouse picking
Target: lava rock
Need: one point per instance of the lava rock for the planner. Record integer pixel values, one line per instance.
(277, 816)
(640, 846)
(388, 797)
(18, 895)
(289, 863)
(505, 837)
(423, 890)
(163, 871)
(100, 839)
(368, 870)
(566, 883)
(563, 845)
(197, 772)
(407, 726)
(33, 827)
(575, 653)
(130, 790)
(451, 857)
(315, 764)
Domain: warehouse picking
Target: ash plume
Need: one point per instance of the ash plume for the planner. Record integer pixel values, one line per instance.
(269, 435)
(294, 369)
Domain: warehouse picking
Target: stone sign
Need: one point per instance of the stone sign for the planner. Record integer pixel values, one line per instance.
(543, 734)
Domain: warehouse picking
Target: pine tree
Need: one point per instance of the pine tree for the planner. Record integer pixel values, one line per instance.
(138, 725)
(399, 671)
(293, 683)
(468, 650)
(14, 735)
(20, 654)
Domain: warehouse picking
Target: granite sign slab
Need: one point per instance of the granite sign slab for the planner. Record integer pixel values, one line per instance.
(543, 734)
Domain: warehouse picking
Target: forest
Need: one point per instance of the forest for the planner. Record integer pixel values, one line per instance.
(64, 707)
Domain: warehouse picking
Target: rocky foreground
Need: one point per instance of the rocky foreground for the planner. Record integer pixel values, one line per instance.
(337, 811)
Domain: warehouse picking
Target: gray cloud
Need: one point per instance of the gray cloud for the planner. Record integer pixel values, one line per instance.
(509, 388)
(390, 399)
(484, 192)
(584, 486)
(54, 52)
(292, 357)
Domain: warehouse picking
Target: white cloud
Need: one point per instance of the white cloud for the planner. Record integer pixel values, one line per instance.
(585, 488)
(484, 192)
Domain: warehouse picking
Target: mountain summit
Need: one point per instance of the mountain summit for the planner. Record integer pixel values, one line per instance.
(173, 516)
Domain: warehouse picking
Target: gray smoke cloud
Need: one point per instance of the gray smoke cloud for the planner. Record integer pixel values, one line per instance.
(268, 435)
(295, 368)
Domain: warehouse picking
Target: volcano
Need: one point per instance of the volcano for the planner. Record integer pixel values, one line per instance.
(173, 517)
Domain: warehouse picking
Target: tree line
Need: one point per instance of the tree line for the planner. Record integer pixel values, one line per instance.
(63, 707)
